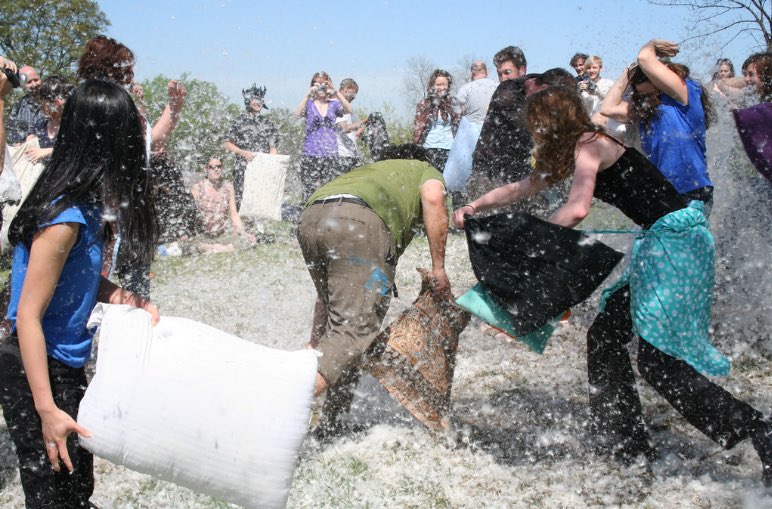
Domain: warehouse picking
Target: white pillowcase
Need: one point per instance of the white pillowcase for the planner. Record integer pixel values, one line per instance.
(190, 404)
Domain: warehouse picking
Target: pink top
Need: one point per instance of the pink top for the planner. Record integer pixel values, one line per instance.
(213, 202)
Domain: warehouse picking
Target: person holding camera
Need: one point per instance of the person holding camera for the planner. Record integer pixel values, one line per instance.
(593, 90)
(437, 117)
(26, 112)
(5, 88)
(349, 129)
(321, 106)
(53, 93)
(9, 79)
(592, 87)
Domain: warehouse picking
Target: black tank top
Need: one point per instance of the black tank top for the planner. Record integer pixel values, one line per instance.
(637, 188)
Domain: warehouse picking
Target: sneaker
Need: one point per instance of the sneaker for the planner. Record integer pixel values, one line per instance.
(173, 249)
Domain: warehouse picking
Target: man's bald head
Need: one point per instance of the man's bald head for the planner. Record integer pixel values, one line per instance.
(479, 70)
(33, 78)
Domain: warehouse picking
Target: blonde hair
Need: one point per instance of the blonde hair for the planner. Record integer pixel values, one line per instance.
(592, 60)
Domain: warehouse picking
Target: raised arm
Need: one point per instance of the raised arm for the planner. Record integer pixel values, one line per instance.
(171, 114)
(300, 111)
(435, 218)
(613, 106)
(5, 88)
(658, 73)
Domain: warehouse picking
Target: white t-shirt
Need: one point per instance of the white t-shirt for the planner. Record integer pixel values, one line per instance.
(592, 102)
(347, 142)
(475, 97)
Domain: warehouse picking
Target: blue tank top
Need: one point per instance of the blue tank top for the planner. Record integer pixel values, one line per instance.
(64, 323)
(675, 141)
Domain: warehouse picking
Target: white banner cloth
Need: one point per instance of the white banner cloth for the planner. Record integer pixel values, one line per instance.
(27, 174)
(264, 186)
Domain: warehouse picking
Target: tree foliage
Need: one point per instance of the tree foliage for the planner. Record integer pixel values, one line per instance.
(732, 18)
(416, 79)
(205, 118)
(49, 34)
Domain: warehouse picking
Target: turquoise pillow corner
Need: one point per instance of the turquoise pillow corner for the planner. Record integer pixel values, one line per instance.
(477, 302)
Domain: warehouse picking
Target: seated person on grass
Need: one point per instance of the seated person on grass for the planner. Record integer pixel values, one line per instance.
(216, 200)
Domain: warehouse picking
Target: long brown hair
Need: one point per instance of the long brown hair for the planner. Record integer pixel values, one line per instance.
(321, 74)
(556, 118)
(105, 58)
(763, 63)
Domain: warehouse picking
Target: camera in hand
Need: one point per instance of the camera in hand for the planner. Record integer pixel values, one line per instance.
(592, 88)
(17, 79)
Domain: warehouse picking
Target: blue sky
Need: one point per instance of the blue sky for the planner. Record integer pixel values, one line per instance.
(234, 43)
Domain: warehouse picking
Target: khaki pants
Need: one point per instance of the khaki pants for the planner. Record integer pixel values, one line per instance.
(352, 259)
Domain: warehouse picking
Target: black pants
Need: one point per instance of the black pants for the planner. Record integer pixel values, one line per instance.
(44, 488)
(616, 415)
(345, 165)
(135, 278)
(438, 157)
(239, 169)
(317, 171)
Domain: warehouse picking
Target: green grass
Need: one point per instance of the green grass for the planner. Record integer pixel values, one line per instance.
(605, 217)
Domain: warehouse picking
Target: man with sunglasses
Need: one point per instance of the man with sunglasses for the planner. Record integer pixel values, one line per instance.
(216, 201)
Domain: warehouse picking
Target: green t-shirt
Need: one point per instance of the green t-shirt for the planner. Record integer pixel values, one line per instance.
(391, 188)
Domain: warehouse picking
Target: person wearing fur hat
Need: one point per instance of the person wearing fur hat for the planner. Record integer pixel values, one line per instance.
(249, 134)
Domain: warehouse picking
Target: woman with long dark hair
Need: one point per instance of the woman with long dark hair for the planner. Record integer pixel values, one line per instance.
(96, 177)
(663, 298)
(437, 118)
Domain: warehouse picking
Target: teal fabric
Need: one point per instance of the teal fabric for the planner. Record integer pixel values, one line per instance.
(671, 276)
(477, 302)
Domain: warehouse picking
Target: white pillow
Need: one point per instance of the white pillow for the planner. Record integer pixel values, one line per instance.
(190, 404)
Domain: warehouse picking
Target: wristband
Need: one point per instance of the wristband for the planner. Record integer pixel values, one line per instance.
(474, 210)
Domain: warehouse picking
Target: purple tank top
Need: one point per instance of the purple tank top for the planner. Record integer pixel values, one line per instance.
(320, 130)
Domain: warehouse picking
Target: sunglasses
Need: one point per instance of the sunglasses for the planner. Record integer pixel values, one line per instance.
(214, 166)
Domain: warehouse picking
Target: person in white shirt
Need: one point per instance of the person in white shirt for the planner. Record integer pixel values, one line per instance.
(348, 130)
(593, 89)
(473, 98)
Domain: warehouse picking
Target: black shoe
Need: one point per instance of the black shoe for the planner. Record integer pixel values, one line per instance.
(762, 441)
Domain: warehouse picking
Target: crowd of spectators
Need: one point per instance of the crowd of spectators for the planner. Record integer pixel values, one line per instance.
(332, 130)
